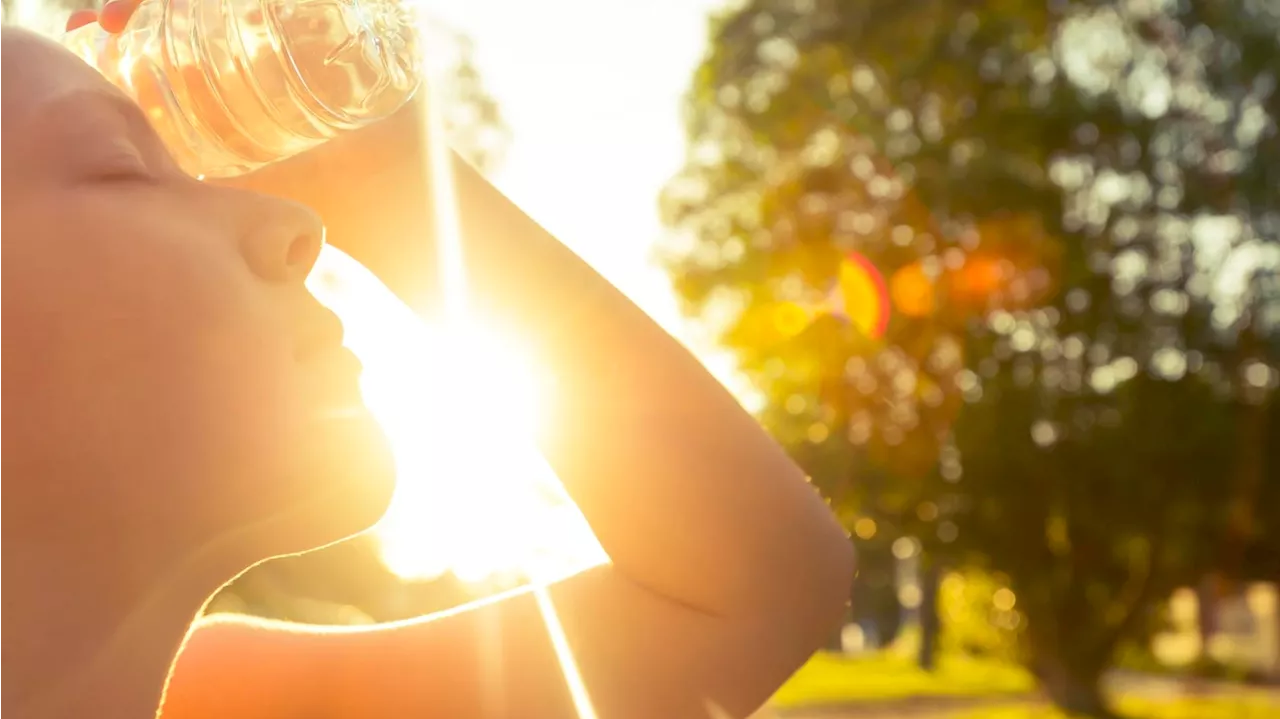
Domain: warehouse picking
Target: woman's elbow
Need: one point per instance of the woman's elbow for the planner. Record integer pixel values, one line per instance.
(811, 602)
(833, 566)
(806, 596)
(821, 564)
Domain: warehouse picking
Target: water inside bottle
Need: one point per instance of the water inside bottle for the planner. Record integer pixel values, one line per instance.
(232, 85)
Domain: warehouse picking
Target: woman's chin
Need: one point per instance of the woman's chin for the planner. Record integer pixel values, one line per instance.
(360, 472)
(334, 480)
(347, 483)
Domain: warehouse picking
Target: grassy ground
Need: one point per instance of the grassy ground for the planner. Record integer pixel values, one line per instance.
(1247, 705)
(833, 679)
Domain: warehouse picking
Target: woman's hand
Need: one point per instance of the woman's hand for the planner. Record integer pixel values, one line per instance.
(369, 186)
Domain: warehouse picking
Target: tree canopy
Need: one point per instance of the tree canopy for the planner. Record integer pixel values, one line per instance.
(1074, 210)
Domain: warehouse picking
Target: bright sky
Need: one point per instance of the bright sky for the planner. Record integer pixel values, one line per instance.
(591, 90)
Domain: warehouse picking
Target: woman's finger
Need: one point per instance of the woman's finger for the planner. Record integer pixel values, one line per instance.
(115, 14)
(80, 18)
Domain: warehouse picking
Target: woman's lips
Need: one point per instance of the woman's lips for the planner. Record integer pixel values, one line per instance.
(347, 363)
(339, 377)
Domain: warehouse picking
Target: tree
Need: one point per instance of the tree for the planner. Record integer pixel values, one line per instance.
(1075, 207)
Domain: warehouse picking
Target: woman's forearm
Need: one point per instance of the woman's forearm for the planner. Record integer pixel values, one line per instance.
(683, 488)
(685, 491)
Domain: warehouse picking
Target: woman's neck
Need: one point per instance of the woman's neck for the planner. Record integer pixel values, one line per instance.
(86, 636)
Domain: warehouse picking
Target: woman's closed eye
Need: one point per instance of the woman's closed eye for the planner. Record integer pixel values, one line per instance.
(116, 160)
(104, 138)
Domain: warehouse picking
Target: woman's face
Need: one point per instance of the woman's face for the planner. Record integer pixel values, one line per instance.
(168, 378)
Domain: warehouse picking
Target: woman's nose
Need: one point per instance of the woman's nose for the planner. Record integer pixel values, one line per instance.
(282, 240)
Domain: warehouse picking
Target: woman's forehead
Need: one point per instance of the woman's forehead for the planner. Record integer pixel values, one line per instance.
(38, 71)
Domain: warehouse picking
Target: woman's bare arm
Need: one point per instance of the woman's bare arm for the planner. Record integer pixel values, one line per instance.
(728, 570)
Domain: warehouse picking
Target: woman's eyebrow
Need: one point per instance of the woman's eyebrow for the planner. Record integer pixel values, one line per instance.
(132, 119)
(133, 115)
(135, 119)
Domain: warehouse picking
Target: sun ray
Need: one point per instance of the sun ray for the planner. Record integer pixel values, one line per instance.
(475, 497)
(568, 665)
(453, 284)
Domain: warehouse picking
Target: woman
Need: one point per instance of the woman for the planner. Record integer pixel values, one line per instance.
(179, 408)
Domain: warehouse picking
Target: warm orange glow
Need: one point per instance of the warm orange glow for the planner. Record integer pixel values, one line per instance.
(461, 407)
(912, 291)
(979, 278)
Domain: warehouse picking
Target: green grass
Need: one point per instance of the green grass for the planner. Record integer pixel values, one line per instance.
(834, 679)
(830, 679)
(1247, 705)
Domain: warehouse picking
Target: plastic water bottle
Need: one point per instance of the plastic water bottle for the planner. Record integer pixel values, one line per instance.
(232, 85)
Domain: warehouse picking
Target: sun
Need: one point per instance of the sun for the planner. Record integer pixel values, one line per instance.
(461, 405)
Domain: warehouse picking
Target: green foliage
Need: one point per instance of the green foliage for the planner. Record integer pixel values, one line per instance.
(978, 618)
(473, 121)
(1075, 207)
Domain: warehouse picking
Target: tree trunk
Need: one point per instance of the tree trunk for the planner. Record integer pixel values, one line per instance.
(1074, 686)
(835, 641)
(1274, 673)
(1206, 614)
(930, 622)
